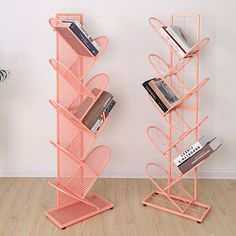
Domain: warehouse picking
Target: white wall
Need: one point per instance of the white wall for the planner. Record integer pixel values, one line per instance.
(27, 121)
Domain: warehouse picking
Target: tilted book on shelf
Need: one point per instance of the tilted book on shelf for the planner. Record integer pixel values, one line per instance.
(180, 41)
(161, 93)
(83, 35)
(197, 146)
(201, 154)
(97, 114)
(103, 115)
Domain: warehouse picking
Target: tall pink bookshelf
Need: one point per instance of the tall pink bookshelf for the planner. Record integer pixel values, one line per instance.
(174, 193)
(78, 167)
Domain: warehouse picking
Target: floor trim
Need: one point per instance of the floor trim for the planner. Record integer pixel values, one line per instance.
(116, 173)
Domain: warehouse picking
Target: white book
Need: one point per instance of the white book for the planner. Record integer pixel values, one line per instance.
(196, 147)
(172, 42)
(86, 34)
(181, 37)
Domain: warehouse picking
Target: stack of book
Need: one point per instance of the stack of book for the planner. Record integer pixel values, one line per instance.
(77, 30)
(162, 94)
(199, 151)
(97, 114)
(178, 39)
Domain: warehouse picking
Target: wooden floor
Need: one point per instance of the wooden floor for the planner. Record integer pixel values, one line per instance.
(23, 202)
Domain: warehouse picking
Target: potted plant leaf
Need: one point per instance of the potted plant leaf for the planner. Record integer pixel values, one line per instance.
(3, 75)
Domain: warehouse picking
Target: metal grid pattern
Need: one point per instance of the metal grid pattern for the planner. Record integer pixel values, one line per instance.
(77, 168)
(171, 195)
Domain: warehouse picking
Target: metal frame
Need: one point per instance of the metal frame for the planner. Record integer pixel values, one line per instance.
(183, 203)
(77, 168)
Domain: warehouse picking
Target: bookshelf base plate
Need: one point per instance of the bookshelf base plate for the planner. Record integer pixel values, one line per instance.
(193, 210)
(72, 213)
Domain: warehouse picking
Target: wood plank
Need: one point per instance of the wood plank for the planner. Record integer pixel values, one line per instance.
(23, 202)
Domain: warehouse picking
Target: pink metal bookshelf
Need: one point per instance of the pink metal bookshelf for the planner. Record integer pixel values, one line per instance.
(173, 193)
(77, 167)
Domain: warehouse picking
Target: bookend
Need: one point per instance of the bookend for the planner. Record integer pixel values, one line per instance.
(170, 194)
(77, 168)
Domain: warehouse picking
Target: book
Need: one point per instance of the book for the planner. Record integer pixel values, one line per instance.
(103, 116)
(161, 93)
(197, 146)
(200, 155)
(181, 37)
(155, 96)
(172, 42)
(71, 39)
(166, 93)
(96, 110)
(88, 36)
(180, 41)
(84, 37)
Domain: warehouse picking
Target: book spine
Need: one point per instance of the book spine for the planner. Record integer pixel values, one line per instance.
(109, 108)
(155, 97)
(89, 37)
(172, 43)
(204, 153)
(97, 126)
(190, 151)
(76, 30)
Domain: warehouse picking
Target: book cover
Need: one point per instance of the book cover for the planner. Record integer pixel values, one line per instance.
(167, 93)
(199, 156)
(197, 146)
(88, 36)
(69, 37)
(96, 110)
(155, 96)
(181, 37)
(159, 94)
(160, 87)
(103, 116)
(77, 31)
(74, 26)
(172, 42)
(109, 107)
(83, 31)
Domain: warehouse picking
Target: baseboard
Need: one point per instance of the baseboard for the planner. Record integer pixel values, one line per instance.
(137, 173)
(115, 173)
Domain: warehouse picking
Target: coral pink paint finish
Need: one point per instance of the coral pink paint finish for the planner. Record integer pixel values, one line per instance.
(171, 196)
(77, 167)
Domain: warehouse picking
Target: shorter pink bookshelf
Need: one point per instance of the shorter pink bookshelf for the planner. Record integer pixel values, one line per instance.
(78, 168)
(170, 193)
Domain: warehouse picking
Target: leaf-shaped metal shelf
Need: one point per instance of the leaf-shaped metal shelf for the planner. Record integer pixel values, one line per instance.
(77, 167)
(172, 196)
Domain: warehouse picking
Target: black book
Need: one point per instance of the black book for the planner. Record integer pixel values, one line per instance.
(154, 96)
(83, 38)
